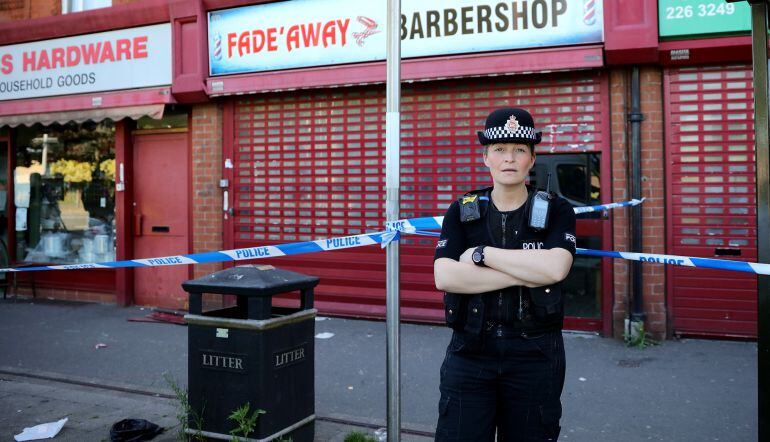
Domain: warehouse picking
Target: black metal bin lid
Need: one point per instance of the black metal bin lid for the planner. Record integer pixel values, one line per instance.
(250, 280)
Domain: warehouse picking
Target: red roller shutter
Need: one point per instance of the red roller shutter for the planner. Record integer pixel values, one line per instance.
(310, 165)
(712, 204)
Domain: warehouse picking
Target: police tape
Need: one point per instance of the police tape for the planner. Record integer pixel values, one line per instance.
(247, 253)
(688, 261)
(434, 222)
(411, 226)
(382, 238)
(601, 207)
(367, 239)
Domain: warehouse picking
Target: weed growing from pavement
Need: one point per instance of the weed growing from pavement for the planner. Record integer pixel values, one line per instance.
(245, 422)
(185, 412)
(641, 339)
(358, 436)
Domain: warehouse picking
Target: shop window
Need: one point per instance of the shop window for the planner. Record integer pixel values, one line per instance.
(573, 181)
(69, 6)
(573, 176)
(64, 193)
(4, 255)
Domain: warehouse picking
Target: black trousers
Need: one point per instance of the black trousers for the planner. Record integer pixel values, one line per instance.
(511, 385)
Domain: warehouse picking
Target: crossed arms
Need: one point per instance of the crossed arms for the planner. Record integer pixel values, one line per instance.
(504, 268)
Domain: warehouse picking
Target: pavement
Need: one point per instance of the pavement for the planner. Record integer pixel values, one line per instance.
(88, 363)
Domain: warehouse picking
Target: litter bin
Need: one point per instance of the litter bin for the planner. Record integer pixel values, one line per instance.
(253, 353)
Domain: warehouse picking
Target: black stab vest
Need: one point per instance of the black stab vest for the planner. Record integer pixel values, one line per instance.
(533, 310)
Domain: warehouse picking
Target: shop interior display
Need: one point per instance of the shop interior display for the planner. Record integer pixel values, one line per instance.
(64, 194)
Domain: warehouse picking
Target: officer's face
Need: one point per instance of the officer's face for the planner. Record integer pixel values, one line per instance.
(509, 163)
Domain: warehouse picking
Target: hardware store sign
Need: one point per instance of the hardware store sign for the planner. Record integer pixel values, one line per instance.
(125, 59)
(699, 17)
(302, 33)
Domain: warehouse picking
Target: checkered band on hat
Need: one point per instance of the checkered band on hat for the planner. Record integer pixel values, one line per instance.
(501, 132)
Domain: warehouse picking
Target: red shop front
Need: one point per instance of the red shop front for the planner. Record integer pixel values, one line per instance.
(86, 122)
(712, 184)
(711, 178)
(306, 156)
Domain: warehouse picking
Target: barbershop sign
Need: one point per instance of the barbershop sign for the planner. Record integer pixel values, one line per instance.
(302, 33)
(125, 59)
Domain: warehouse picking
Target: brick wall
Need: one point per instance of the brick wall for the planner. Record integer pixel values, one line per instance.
(206, 172)
(654, 208)
(44, 8)
(653, 187)
(14, 10)
(66, 295)
(619, 107)
(27, 9)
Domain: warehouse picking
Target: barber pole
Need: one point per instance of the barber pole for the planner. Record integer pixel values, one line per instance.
(589, 12)
(218, 46)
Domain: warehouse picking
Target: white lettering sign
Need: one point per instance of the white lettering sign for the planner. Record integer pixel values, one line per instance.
(289, 357)
(223, 362)
(300, 33)
(125, 59)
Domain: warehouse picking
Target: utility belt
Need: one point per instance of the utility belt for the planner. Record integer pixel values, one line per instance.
(500, 330)
(467, 313)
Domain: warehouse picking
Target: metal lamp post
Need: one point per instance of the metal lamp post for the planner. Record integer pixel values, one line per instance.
(392, 197)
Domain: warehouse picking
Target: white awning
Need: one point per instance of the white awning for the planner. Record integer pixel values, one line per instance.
(79, 116)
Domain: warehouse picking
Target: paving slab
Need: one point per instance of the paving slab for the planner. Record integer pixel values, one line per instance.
(681, 390)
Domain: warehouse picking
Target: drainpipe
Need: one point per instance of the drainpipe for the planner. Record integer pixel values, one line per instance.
(635, 117)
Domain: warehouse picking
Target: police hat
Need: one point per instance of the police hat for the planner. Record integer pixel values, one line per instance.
(509, 125)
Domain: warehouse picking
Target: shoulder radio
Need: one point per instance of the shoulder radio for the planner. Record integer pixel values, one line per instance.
(540, 207)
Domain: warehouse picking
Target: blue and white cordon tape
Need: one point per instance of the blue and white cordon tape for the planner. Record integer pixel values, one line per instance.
(414, 225)
(418, 226)
(705, 263)
(421, 226)
(297, 248)
(601, 207)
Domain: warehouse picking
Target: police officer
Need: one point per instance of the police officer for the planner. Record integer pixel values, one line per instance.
(502, 254)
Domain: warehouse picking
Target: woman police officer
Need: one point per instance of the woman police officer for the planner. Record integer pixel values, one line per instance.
(500, 265)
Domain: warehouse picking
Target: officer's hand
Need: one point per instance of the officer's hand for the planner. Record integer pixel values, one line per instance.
(466, 256)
